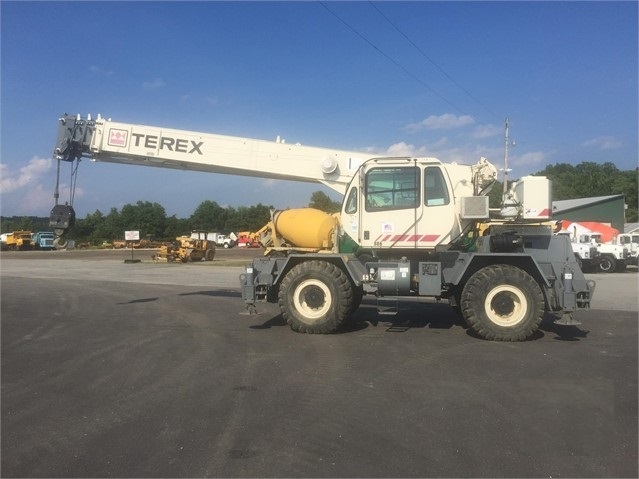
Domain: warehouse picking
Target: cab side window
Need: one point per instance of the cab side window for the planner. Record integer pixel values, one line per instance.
(435, 190)
(392, 188)
(351, 202)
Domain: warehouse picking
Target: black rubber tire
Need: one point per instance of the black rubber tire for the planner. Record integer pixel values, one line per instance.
(620, 267)
(315, 297)
(587, 267)
(209, 254)
(606, 264)
(502, 303)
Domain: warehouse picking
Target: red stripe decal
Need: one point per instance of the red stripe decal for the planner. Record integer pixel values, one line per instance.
(429, 238)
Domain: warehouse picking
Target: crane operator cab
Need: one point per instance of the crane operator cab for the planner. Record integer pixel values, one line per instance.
(409, 203)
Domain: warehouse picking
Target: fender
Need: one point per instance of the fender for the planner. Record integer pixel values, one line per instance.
(263, 275)
(469, 263)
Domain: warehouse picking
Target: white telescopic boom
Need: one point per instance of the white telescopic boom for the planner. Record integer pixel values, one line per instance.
(104, 140)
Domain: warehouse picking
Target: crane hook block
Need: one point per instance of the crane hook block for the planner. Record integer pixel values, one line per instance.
(61, 219)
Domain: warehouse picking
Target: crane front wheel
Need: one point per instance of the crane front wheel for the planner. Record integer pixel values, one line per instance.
(502, 303)
(315, 297)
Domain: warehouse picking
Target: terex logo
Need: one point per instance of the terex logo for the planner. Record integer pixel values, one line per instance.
(166, 143)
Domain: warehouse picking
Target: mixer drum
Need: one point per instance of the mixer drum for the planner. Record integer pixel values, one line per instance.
(306, 227)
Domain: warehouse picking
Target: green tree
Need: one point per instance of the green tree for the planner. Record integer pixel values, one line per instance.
(146, 217)
(91, 228)
(495, 196)
(23, 223)
(111, 228)
(209, 216)
(249, 218)
(83, 229)
(627, 184)
(321, 201)
(563, 177)
(175, 227)
(257, 216)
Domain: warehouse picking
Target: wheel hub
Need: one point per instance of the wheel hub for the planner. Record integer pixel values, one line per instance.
(503, 304)
(313, 296)
(312, 300)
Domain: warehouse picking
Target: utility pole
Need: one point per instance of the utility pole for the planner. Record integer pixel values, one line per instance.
(506, 170)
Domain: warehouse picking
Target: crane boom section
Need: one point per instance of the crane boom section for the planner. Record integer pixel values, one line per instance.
(108, 141)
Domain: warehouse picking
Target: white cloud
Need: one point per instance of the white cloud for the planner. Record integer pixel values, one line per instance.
(443, 150)
(486, 131)
(39, 203)
(441, 143)
(29, 174)
(401, 149)
(604, 142)
(531, 161)
(156, 83)
(36, 201)
(406, 149)
(447, 121)
(29, 190)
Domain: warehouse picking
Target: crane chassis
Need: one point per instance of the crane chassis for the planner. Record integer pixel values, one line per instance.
(408, 227)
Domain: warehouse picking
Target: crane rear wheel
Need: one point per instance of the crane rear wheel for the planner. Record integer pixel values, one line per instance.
(502, 303)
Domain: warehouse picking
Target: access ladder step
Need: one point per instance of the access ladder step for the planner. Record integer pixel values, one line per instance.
(387, 305)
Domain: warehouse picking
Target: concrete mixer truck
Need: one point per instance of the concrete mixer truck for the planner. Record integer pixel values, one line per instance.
(408, 227)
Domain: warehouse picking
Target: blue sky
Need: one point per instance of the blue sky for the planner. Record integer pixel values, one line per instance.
(399, 78)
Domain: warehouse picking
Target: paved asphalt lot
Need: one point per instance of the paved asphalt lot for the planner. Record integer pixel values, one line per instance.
(147, 370)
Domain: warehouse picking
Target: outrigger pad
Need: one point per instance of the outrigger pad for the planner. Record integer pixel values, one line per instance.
(567, 320)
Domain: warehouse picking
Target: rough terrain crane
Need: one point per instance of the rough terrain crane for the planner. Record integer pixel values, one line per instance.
(408, 226)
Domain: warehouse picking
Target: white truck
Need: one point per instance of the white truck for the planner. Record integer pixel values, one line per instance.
(586, 254)
(408, 227)
(612, 257)
(225, 241)
(630, 241)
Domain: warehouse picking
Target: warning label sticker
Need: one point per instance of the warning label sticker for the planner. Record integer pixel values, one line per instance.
(117, 137)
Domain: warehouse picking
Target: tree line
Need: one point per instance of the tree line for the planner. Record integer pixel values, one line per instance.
(151, 220)
(568, 182)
